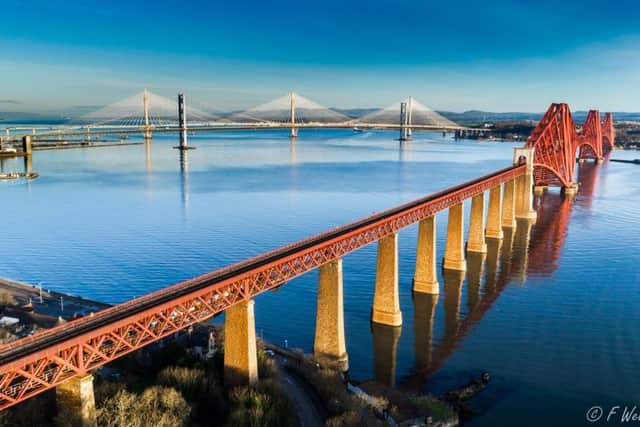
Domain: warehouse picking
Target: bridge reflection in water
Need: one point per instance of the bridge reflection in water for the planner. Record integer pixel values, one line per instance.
(526, 250)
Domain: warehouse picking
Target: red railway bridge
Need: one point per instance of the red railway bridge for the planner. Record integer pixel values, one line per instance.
(64, 356)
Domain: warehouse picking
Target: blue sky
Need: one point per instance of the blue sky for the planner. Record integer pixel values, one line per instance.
(453, 55)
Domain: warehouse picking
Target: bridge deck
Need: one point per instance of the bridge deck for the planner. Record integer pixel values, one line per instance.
(34, 364)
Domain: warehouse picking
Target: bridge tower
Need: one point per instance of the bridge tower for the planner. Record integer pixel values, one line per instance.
(145, 107)
(292, 115)
(404, 121)
(182, 121)
(409, 112)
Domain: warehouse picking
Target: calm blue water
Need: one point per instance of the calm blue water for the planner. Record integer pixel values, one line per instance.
(551, 314)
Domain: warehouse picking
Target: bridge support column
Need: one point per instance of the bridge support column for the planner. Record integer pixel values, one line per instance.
(26, 145)
(329, 342)
(454, 252)
(476, 242)
(494, 214)
(76, 403)
(240, 356)
(600, 160)
(425, 279)
(386, 299)
(524, 198)
(524, 185)
(508, 205)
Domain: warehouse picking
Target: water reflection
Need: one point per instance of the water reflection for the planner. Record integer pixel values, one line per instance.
(184, 181)
(424, 314)
(527, 249)
(385, 352)
(475, 264)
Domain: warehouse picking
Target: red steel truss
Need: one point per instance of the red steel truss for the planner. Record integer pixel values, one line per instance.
(590, 139)
(34, 364)
(556, 142)
(608, 133)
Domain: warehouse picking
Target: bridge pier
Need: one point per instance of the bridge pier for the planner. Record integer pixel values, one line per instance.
(539, 190)
(494, 214)
(476, 242)
(329, 344)
(386, 299)
(524, 185)
(570, 190)
(425, 279)
(599, 160)
(240, 354)
(26, 145)
(145, 107)
(454, 251)
(292, 115)
(508, 205)
(76, 403)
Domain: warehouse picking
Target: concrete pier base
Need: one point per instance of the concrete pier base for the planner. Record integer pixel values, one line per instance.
(570, 190)
(76, 403)
(600, 160)
(454, 252)
(386, 299)
(329, 345)
(539, 190)
(240, 355)
(508, 205)
(494, 214)
(425, 279)
(476, 241)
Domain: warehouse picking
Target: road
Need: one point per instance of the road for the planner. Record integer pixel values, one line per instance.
(306, 406)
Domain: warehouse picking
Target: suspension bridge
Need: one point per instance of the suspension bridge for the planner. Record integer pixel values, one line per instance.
(63, 357)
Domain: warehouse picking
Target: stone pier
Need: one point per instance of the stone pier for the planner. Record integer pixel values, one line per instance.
(508, 205)
(329, 344)
(240, 355)
(75, 402)
(476, 241)
(386, 300)
(454, 252)
(494, 214)
(425, 279)
(524, 186)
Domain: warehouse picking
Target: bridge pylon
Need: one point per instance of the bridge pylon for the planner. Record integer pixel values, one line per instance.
(292, 115)
(145, 109)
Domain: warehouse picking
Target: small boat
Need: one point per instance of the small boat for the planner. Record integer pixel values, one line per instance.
(357, 129)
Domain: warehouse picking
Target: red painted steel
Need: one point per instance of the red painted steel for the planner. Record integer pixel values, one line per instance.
(608, 133)
(590, 139)
(555, 142)
(34, 364)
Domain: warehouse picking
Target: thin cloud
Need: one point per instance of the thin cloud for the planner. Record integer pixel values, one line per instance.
(10, 101)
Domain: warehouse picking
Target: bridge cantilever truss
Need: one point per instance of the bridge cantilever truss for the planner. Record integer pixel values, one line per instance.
(556, 142)
(34, 364)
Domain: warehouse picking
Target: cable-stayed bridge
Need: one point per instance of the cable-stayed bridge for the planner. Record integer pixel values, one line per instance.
(147, 113)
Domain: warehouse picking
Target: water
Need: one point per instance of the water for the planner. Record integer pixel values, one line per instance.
(550, 314)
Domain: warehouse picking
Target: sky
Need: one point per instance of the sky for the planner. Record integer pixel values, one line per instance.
(456, 55)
